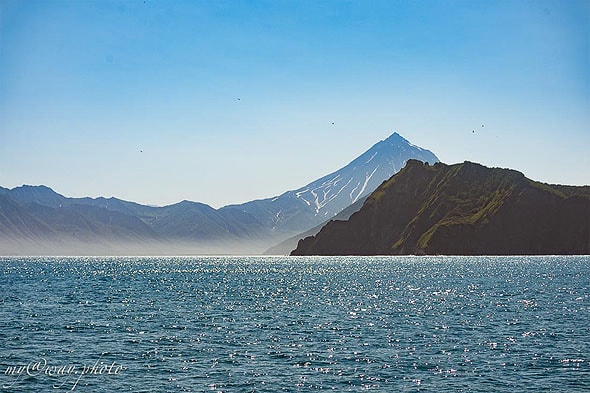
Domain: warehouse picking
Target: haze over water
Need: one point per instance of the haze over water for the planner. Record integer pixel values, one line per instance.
(243, 324)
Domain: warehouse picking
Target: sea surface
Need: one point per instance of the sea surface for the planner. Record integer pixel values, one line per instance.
(298, 324)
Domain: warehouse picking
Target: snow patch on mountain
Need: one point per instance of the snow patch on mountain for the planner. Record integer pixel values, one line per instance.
(334, 192)
(298, 210)
(365, 185)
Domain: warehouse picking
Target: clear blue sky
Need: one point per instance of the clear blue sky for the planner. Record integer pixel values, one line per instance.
(227, 101)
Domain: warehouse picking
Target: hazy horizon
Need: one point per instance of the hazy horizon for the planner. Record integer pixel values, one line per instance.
(227, 102)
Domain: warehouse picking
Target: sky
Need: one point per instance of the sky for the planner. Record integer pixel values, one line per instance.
(228, 101)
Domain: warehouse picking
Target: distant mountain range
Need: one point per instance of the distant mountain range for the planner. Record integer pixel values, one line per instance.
(462, 209)
(37, 220)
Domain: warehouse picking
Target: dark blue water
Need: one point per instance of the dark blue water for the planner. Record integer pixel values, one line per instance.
(459, 324)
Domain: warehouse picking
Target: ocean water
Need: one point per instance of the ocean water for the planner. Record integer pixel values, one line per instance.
(259, 324)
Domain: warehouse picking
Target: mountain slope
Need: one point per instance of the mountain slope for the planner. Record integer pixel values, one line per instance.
(462, 209)
(298, 210)
(16, 222)
(288, 245)
(191, 220)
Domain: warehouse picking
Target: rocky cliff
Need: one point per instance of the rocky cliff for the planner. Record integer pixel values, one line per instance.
(462, 209)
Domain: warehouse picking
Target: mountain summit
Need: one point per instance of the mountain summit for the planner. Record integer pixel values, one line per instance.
(322, 199)
(334, 192)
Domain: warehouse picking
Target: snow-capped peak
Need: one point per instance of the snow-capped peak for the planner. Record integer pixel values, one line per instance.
(334, 192)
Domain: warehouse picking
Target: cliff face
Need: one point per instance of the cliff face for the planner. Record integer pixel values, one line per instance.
(462, 209)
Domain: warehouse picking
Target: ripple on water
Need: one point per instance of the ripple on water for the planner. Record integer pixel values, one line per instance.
(503, 324)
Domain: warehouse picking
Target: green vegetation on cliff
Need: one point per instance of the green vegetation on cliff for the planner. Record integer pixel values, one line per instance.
(462, 209)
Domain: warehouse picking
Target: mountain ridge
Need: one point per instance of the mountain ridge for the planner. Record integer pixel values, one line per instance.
(460, 209)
